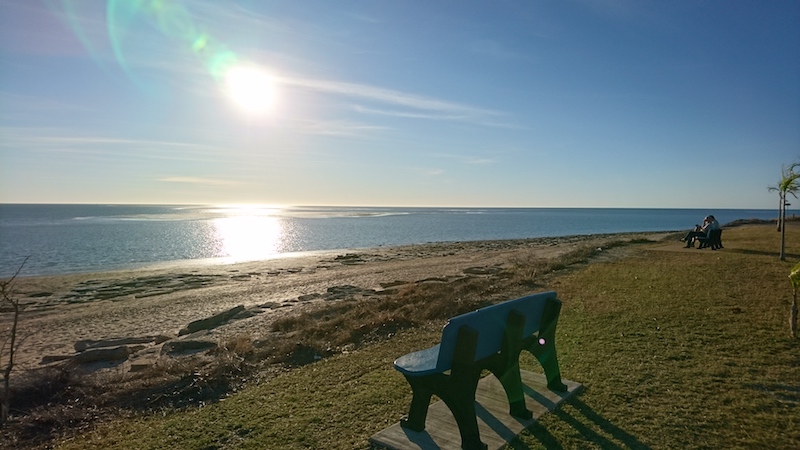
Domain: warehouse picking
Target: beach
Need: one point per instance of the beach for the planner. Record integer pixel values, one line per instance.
(144, 308)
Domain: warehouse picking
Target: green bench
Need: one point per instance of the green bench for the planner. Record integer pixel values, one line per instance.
(490, 338)
(713, 240)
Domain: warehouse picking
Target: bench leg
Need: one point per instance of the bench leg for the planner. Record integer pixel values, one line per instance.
(512, 384)
(421, 398)
(460, 398)
(505, 366)
(457, 391)
(543, 346)
(549, 361)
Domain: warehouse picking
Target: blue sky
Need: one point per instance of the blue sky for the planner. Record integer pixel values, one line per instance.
(607, 103)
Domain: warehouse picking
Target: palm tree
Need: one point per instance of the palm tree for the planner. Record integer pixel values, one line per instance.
(786, 185)
(794, 278)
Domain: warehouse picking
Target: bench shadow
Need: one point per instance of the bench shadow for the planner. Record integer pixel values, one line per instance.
(542, 435)
(494, 423)
(420, 438)
(624, 440)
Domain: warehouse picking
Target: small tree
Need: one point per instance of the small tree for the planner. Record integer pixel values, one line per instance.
(794, 278)
(786, 185)
(10, 344)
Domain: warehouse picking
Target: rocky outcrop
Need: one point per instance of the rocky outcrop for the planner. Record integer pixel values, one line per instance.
(185, 346)
(338, 293)
(211, 322)
(83, 345)
(95, 354)
(145, 351)
(101, 354)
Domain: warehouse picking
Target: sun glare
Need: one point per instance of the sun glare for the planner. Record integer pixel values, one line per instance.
(250, 88)
(249, 238)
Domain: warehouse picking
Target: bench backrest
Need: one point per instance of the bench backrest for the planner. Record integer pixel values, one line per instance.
(490, 323)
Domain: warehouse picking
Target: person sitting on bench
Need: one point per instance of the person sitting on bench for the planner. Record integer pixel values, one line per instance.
(709, 223)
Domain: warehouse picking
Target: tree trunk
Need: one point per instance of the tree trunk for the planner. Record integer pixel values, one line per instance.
(780, 209)
(5, 408)
(782, 221)
(5, 297)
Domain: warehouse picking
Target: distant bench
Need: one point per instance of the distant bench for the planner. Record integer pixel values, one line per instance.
(713, 240)
(489, 338)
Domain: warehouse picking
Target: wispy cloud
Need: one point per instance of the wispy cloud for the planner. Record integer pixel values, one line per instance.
(478, 160)
(432, 115)
(56, 141)
(48, 137)
(467, 159)
(430, 171)
(18, 107)
(97, 140)
(405, 114)
(342, 128)
(385, 95)
(418, 105)
(496, 50)
(364, 18)
(199, 180)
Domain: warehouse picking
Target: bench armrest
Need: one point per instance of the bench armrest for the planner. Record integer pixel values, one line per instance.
(419, 363)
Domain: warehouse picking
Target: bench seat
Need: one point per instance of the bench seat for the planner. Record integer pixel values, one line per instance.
(419, 363)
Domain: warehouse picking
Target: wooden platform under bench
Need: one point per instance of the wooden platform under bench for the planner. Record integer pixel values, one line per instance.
(496, 425)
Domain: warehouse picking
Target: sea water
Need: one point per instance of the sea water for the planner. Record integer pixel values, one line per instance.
(59, 239)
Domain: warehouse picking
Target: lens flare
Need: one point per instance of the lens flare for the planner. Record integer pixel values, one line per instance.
(128, 22)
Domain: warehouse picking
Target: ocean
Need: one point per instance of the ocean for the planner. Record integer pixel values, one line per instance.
(59, 239)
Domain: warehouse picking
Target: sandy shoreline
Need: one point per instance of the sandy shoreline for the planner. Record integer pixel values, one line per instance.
(61, 310)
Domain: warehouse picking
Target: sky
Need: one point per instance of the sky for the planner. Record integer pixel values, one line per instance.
(540, 103)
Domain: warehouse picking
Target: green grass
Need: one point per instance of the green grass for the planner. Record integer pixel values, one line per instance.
(676, 349)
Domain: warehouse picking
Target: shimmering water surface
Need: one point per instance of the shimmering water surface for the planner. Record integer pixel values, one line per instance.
(87, 238)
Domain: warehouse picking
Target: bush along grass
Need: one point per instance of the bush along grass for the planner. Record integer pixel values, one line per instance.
(676, 348)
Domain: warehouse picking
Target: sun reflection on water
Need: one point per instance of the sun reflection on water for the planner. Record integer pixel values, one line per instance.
(249, 237)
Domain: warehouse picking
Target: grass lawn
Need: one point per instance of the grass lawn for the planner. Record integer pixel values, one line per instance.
(676, 348)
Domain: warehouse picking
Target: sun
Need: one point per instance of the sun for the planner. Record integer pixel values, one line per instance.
(249, 88)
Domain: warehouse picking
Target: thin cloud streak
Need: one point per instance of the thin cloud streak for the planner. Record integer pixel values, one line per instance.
(386, 96)
(44, 140)
(198, 180)
(466, 159)
(409, 115)
(423, 116)
(429, 172)
(49, 137)
(477, 160)
(336, 128)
